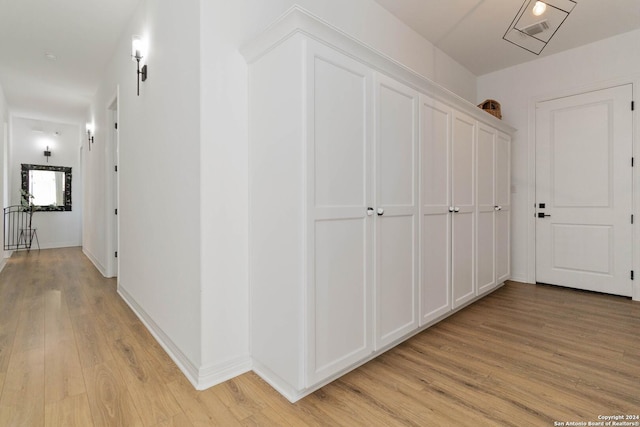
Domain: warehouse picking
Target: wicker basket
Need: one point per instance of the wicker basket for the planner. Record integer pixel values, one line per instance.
(492, 107)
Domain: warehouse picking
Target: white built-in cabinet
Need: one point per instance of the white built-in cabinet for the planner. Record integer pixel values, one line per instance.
(494, 205)
(396, 210)
(368, 203)
(447, 143)
(339, 231)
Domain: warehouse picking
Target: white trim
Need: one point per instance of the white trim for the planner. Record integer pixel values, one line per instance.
(3, 263)
(110, 150)
(95, 261)
(56, 245)
(298, 20)
(294, 395)
(214, 374)
(200, 377)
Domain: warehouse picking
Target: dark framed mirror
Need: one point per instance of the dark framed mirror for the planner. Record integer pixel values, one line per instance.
(50, 186)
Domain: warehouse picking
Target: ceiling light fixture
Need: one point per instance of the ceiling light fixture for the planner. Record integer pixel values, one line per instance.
(529, 31)
(137, 53)
(539, 8)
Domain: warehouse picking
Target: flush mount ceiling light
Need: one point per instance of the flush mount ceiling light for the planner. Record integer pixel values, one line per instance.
(537, 22)
(539, 8)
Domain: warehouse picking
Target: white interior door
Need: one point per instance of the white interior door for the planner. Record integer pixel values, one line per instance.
(396, 206)
(340, 234)
(584, 191)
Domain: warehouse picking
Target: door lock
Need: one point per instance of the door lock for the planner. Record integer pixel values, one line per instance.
(542, 215)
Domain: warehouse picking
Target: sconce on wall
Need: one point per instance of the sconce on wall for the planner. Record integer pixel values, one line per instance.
(137, 54)
(536, 22)
(47, 153)
(89, 136)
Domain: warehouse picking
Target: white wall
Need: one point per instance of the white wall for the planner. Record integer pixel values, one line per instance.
(226, 25)
(29, 139)
(4, 143)
(159, 172)
(608, 62)
(183, 165)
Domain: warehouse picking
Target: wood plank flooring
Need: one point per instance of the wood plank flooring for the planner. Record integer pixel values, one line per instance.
(73, 354)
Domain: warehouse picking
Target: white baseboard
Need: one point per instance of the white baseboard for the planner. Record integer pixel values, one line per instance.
(3, 263)
(56, 245)
(95, 261)
(521, 279)
(214, 374)
(200, 377)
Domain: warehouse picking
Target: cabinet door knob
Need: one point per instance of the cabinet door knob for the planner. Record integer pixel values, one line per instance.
(456, 209)
(450, 208)
(369, 211)
(498, 208)
(380, 211)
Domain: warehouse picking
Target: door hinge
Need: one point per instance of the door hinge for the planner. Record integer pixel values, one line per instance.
(116, 254)
(632, 162)
(116, 211)
(631, 274)
(633, 106)
(631, 218)
(116, 125)
(115, 168)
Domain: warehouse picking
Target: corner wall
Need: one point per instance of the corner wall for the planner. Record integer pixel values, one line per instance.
(159, 176)
(225, 26)
(598, 65)
(4, 167)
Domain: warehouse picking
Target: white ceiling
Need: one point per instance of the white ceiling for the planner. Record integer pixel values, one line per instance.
(470, 31)
(82, 34)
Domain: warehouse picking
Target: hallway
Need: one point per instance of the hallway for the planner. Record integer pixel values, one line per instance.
(73, 354)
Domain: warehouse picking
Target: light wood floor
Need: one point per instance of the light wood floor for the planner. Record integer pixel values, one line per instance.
(73, 354)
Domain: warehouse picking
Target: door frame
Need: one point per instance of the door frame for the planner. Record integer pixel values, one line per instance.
(531, 170)
(112, 150)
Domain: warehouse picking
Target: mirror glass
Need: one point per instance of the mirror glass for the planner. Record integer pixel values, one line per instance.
(50, 186)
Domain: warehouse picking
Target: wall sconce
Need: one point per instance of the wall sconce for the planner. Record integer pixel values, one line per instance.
(89, 136)
(137, 54)
(47, 153)
(537, 22)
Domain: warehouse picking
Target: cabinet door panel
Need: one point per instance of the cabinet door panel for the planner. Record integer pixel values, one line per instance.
(435, 171)
(340, 95)
(396, 144)
(396, 293)
(462, 147)
(396, 239)
(435, 291)
(485, 236)
(503, 200)
(462, 258)
(463, 197)
(486, 251)
(339, 296)
(435, 187)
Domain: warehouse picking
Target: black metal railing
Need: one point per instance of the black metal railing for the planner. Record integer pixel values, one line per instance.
(18, 230)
